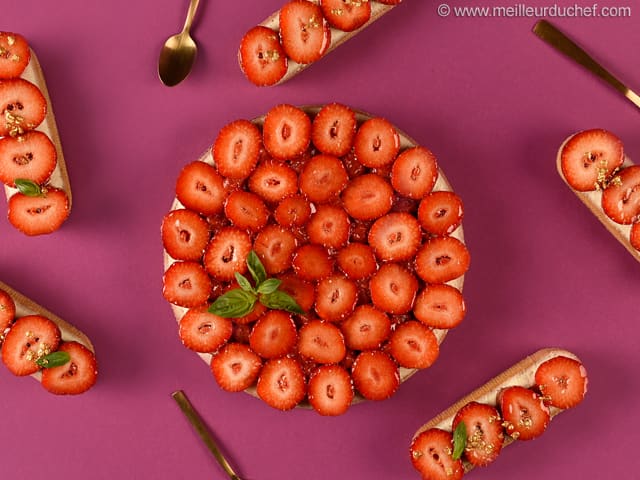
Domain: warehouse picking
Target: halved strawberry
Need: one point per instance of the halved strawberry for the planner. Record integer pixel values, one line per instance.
(376, 143)
(275, 247)
(393, 288)
(375, 375)
(621, 199)
(236, 149)
(185, 234)
(286, 131)
(333, 129)
(322, 178)
(261, 56)
(368, 197)
(524, 412)
(336, 297)
(321, 342)
(440, 213)
(246, 210)
(634, 236)
(440, 306)
(302, 291)
(281, 383)
(330, 390)
(236, 367)
(442, 259)
(204, 332)
(329, 226)
(31, 156)
(186, 284)
(293, 211)
(562, 381)
(357, 261)
(7, 312)
(31, 337)
(39, 215)
(200, 188)
(312, 262)
(274, 334)
(227, 253)
(14, 55)
(274, 181)
(414, 172)
(589, 157)
(304, 31)
(485, 435)
(431, 455)
(76, 376)
(395, 237)
(414, 345)
(22, 107)
(366, 329)
(346, 15)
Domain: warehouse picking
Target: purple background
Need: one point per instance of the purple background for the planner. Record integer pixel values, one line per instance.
(490, 99)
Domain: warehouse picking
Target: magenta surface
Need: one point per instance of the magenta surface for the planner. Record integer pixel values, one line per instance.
(487, 96)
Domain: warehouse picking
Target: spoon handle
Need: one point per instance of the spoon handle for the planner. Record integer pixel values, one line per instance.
(191, 13)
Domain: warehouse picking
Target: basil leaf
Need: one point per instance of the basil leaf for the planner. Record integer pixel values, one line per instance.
(459, 440)
(256, 268)
(55, 359)
(269, 286)
(279, 300)
(243, 282)
(28, 188)
(235, 303)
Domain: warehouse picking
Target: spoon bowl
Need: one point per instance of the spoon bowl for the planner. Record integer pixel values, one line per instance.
(179, 52)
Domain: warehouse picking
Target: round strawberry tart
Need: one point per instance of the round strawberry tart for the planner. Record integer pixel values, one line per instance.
(314, 257)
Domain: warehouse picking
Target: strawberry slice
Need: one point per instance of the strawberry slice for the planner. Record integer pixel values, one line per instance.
(395, 237)
(322, 178)
(186, 284)
(414, 345)
(275, 247)
(304, 31)
(414, 172)
(293, 211)
(31, 156)
(431, 455)
(261, 56)
(281, 383)
(346, 15)
(589, 158)
(22, 107)
(330, 390)
(246, 210)
(376, 143)
(336, 297)
(621, 199)
(274, 335)
(204, 332)
(333, 129)
(357, 261)
(442, 259)
(286, 132)
(14, 55)
(236, 149)
(393, 289)
(39, 215)
(440, 306)
(525, 415)
(31, 337)
(235, 367)
(312, 262)
(227, 253)
(76, 376)
(634, 236)
(200, 188)
(368, 197)
(321, 342)
(329, 226)
(273, 181)
(7, 312)
(366, 329)
(485, 435)
(302, 292)
(562, 381)
(440, 213)
(185, 234)
(375, 375)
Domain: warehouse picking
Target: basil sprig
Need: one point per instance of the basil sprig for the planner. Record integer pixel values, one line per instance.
(241, 301)
(28, 187)
(459, 440)
(54, 359)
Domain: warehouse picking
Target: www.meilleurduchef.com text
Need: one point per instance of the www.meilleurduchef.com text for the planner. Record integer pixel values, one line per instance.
(524, 10)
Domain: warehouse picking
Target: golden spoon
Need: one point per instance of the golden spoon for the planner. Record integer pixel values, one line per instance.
(179, 52)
